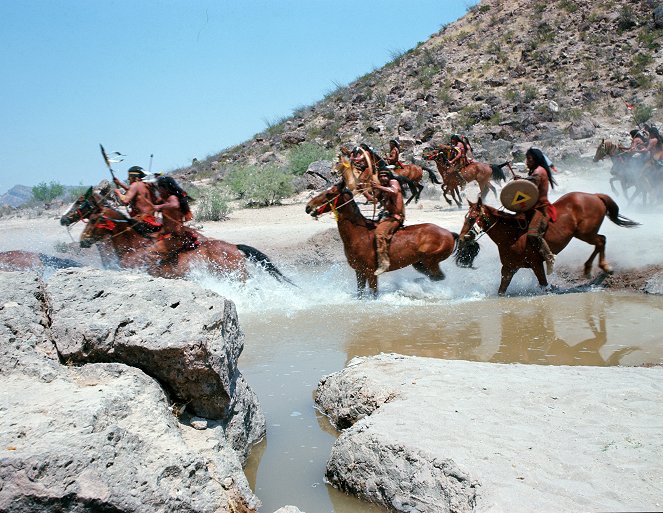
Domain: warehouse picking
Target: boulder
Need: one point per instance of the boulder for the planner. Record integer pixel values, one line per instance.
(185, 337)
(581, 129)
(435, 436)
(99, 436)
(654, 284)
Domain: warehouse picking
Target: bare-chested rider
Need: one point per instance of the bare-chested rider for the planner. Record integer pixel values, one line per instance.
(138, 196)
(388, 193)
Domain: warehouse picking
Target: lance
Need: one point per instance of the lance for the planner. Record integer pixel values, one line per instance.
(107, 160)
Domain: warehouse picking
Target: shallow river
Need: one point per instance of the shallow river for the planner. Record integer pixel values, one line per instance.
(295, 337)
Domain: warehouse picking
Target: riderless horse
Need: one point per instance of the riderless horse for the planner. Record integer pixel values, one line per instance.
(579, 215)
(455, 176)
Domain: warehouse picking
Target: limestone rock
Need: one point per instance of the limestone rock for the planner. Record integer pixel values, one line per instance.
(186, 337)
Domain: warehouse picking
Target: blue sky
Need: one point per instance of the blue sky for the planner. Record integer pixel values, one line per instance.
(178, 79)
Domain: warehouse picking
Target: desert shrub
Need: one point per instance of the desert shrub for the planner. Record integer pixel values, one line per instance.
(301, 156)
(626, 18)
(642, 113)
(260, 187)
(47, 191)
(73, 193)
(212, 204)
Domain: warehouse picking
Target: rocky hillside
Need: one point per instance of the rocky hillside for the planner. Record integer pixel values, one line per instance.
(510, 73)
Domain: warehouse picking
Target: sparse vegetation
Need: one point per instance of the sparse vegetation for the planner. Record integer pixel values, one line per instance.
(642, 113)
(212, 204)
(46, 192)
(302, 155)
(260, 187)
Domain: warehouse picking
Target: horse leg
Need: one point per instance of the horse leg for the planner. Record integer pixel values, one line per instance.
(507, 275)
(599, 249)
(445, 190)
(373, 284)
(431, 270)
(361, 284)
(420, 189)
(540, 274)
(612, 186)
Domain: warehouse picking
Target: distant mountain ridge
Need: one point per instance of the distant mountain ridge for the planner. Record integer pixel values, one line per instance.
(510, 73)
(16, 196)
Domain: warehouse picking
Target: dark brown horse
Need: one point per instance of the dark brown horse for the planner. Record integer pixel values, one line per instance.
(31, 261)
(455, 176)
(627, 169)
(131, 245)
(579, 215)
(422, 246)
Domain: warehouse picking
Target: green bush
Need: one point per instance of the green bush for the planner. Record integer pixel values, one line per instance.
(47, 192)
(211, 204)
(302, 155)
(260, 187)
(76, 192)
(642, 113)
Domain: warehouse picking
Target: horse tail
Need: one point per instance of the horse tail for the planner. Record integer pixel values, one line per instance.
(465, 253)
(613, 212)
(498, 173)
(57, 263)
(258, 257)
(431, 175)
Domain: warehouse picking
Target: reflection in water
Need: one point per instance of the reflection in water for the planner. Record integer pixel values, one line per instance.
(529, 336)
(285, 356)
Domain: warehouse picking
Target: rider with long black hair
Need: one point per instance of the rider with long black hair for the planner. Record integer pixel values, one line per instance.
(543, 211)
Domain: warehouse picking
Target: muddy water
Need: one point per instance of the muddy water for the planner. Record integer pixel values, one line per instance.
(293, 338)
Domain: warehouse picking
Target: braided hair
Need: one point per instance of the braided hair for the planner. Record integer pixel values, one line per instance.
(541, 160)
(169, 184)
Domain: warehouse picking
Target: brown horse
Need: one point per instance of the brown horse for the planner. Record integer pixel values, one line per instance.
(131, 244)
(455, 176)
(31, 261)
(579, 215)
(422, 246)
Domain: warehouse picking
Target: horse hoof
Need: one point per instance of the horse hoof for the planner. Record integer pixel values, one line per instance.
(608, 269)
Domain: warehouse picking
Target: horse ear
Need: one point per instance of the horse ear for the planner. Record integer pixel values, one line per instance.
(479, 202)
(88, 193)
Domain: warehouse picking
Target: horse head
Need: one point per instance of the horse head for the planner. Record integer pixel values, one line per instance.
(441, 153)
(86, 204)
(328, 200)
(601, 152)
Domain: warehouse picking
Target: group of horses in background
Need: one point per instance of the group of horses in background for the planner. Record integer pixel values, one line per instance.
(636, 173)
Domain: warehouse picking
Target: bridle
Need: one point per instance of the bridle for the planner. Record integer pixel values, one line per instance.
(476, 227)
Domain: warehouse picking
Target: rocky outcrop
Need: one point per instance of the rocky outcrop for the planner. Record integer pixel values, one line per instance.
(185, 337)
(90, 437)
(429, 435)
(655, 284)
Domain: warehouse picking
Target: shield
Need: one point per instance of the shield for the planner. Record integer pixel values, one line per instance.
(519, 195)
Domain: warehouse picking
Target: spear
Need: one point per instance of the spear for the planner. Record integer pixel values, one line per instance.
(107, 160)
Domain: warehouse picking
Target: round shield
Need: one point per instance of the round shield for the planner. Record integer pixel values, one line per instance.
(519, 195)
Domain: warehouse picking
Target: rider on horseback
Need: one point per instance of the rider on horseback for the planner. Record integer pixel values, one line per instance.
(394, 154)
(139, 198)
(174, 236)
(390, 196)
(464, 153)
(539, 216)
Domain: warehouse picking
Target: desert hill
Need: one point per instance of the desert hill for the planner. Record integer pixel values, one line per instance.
(560, 74)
